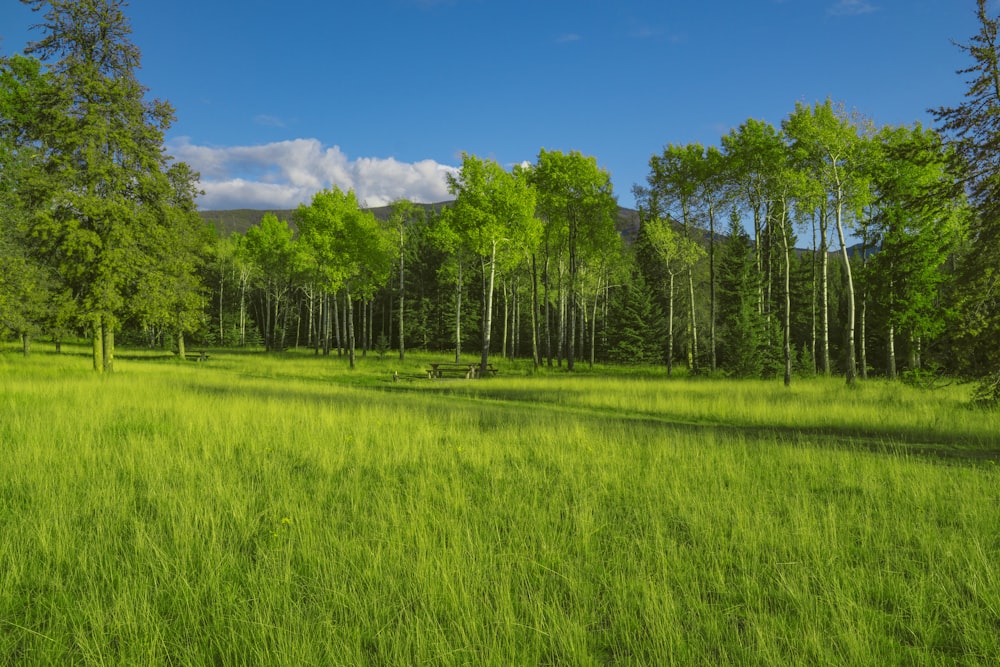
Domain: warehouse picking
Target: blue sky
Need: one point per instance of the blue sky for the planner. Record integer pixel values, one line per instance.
(277, 99)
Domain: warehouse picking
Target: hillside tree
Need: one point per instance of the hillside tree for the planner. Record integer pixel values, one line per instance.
(104, 154)
(674, 191)
(493, 211)
(827, 145)
(576, 195)
(973, 129)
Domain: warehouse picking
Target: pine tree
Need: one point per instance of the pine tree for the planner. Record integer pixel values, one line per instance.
(973, 128)
(639, 324)
(100, 215)
(741, 324)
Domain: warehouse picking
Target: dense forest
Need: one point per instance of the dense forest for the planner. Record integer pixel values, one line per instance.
(825, 244)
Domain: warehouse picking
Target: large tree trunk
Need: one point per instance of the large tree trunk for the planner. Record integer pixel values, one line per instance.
(97, 341)
(570, 350)
(851, 371)
(561, 332)
(788, 304)
(825, 291)
(488, 309)
(364, 327)
(222, 326)
(515, 323)
(181, 352)
(268, 342)
(109, 347)
(506, 318)
(692, 325)
(862, 349)
(571, 338)
(458, 315)
(812, 340)
(350, 327)
(244, 279)
(711, 286)
(534, 313)
(345, 319)
(284, 312)
(593, 323)
(670, 327)
(334, 310)
(862, 316)
(402, 300)
(548, 308)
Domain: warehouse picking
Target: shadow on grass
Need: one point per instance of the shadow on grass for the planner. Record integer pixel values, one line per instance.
(524, 405)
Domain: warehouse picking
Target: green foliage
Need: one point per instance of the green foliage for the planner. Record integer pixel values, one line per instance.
(493, 210)
(917, 225)
(96, 196)
(742, 334)
(577, 205)
(638, 337)
(576, 196)
(972, 131)
(274, 258)
(494, 218)
(828, 150)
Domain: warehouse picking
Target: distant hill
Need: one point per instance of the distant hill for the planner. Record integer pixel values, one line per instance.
(241, 219)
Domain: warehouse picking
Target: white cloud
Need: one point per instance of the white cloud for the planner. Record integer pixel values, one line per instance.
(852, 8)
(288, 173)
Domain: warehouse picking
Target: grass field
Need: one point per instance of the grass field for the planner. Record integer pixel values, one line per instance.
(284, 510)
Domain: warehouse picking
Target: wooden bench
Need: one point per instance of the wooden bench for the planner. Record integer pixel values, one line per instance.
(468, 370)
(441, 369)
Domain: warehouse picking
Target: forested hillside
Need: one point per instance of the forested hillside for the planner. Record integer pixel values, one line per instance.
(738, 260)
(240, 220)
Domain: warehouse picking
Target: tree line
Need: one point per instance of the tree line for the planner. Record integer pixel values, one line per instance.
(826, 244)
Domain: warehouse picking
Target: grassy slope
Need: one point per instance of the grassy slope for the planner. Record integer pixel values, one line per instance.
(283, 510)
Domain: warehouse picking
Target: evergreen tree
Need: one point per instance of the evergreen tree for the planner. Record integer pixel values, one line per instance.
(638, 335)
(97, 216)
(973, 128)
(742, 334)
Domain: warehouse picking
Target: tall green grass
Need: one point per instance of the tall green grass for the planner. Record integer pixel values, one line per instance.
(286, 510)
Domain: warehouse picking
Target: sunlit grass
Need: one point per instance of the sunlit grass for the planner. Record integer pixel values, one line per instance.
(285, 510)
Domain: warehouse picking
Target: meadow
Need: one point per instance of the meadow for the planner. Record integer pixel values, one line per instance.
(284, 510)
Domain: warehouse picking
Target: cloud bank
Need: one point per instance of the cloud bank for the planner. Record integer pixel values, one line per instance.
(284, 174)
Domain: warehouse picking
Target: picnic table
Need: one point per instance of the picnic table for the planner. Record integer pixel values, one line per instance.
(468, 370)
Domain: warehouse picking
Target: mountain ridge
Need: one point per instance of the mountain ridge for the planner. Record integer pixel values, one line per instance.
(239, 220)
(228, 221)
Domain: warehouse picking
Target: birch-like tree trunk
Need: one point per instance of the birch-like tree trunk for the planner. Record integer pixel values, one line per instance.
(535, 346)
(851, 370)
(788, 300)
(670, 326)
(825, 291)
(349, 313)
(711, 286)
(109, 345)
(97, 340)
(458, 314)
(488, 305)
